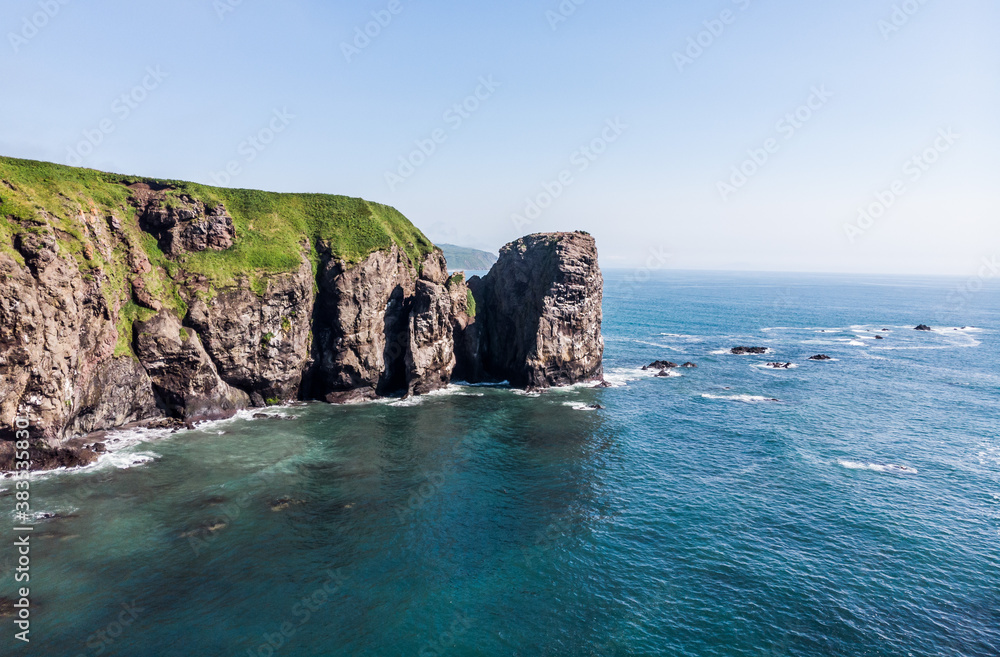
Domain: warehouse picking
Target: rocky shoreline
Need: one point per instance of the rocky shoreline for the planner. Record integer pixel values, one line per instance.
(78, 357)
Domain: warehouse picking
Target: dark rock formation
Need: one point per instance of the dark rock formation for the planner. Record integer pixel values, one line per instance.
(743, 351)
(879, 337)
(182, 225)
(820, 357)
(44, 457)
(922, 327)
(689, 365)
(361, 326)
(259, 343)
(184, 378)
(780, 366)
(660, 365)
(540, 312)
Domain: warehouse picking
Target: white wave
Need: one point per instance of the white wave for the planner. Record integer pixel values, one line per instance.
(681, 336)
(658, 345)
(856, 343)
(878, 467)
(670, 374)
(126, 460)
(451, 390)
(579, 406)
(748, 399)
(765, 366)
(619, 377)
(989, 456)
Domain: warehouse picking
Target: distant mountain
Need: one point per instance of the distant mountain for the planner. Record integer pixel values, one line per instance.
(462, 257)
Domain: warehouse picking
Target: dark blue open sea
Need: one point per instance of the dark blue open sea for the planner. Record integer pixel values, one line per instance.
(692, 515)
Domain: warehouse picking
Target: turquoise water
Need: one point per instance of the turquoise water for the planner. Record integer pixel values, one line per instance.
(689, 516)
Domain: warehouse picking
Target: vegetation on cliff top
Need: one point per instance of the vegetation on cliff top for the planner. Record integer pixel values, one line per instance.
(273, 230)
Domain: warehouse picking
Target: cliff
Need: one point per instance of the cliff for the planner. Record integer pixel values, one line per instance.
(125, 300)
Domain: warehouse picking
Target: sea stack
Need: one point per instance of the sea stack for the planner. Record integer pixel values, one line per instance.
(540, 317)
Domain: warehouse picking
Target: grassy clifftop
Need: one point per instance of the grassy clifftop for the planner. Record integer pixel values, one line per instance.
(273, 230)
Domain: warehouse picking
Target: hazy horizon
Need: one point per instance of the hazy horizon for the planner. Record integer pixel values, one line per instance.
(731, 136)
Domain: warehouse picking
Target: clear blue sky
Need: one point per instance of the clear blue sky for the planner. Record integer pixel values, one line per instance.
(683, 124)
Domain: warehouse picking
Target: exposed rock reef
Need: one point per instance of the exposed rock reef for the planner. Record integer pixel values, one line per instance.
(743, 351)
(172, 306)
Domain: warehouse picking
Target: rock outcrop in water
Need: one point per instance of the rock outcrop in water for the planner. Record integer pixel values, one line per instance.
(743, 351)
(167, 306)
(540, 317)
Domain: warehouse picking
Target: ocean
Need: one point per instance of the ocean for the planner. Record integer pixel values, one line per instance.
(844, 507)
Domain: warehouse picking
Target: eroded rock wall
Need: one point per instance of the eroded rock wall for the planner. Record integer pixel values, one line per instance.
(540, 317)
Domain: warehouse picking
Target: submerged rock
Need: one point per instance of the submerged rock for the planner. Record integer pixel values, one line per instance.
(923, 327)
(820, 357)
(779, 366)
(660, 365)
(284, 503)
(689, 365)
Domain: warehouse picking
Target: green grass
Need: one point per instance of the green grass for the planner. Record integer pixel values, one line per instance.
(470, 302)
(274, 232)
(130, 312)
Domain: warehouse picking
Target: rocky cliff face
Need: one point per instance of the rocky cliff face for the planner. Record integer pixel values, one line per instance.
(99, 328)
(540, 317)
